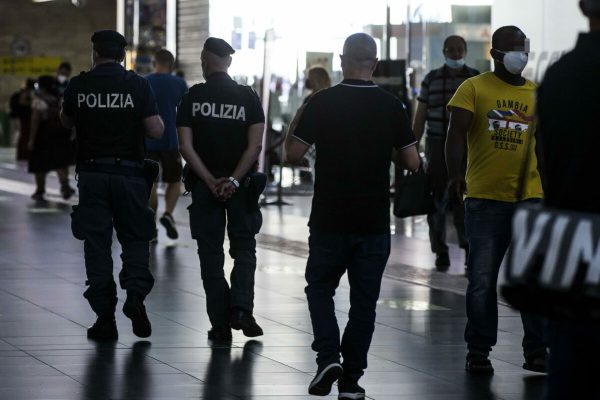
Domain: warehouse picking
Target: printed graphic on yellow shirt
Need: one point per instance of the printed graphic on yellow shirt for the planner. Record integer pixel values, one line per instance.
(508, 126)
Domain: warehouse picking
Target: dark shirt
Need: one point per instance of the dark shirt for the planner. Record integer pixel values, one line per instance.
(354, 126)
(168, 89)
(109, 105)
(220, 112)
(568, 107)
(437, 88)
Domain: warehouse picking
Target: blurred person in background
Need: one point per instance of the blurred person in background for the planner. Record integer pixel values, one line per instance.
(20, 110)
(63, 73)
(50, 143)
(168, 89)
(437, 89)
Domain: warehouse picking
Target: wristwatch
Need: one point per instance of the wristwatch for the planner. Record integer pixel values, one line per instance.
(234, 181)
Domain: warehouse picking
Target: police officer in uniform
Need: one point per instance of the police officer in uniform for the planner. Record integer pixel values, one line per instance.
(112, 110)
(220, 126)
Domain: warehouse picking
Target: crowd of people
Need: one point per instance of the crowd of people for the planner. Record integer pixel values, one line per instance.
(494, 141)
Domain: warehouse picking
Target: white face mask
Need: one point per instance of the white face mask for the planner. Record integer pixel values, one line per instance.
(61, 78)
(515, 61)
(455, 64)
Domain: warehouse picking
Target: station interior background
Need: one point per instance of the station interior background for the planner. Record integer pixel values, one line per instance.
(276, 39)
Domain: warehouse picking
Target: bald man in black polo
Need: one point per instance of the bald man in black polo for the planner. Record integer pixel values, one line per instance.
(355, 126)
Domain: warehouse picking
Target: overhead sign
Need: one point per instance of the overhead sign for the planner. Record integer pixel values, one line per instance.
(29, 66)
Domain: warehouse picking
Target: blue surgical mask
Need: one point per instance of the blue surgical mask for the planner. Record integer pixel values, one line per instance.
(455, 64)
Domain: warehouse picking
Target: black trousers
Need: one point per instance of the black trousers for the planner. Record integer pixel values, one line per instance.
(436, 169)
(108, 201)
(209, 218)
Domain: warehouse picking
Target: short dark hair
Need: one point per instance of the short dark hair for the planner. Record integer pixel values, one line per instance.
(496, 36)
(451, 37)
(109, 50)
(65, 65)
(165, 58)
(49, 84)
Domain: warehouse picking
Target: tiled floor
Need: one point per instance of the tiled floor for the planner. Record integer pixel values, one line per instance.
(417, 351)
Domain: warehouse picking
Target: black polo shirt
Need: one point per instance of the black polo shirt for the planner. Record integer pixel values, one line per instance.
(568, 106)
(109, 105)
(354, 126)
(219, 113)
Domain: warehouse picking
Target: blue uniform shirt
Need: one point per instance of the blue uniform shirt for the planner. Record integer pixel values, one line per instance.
(169, 89)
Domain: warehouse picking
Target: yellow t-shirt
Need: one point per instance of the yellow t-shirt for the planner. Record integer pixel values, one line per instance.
(503, 116)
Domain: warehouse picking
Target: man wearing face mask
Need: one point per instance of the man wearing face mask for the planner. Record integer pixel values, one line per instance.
(437, 89)
(62, 76)
(494, 113)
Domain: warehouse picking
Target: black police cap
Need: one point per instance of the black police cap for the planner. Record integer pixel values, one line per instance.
(109, 37)
(218, 46)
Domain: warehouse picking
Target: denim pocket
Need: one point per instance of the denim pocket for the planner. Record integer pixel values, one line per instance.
(475, 205)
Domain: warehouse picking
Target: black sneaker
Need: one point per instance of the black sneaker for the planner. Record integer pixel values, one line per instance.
(350, 390)
(134, 310)
(326, 376)
(105, 328)
(66, 191)
(169, 223)
(38, 196)
(442, 261)
(537, 361)
(243, 320)
(479, 363)
(220, 334)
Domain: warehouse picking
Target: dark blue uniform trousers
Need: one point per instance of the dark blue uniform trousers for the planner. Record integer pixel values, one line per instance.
(208, 219)
(119, 201)
(330, 255)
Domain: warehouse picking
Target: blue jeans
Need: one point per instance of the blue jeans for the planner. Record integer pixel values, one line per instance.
(364, 257)
(488, 229)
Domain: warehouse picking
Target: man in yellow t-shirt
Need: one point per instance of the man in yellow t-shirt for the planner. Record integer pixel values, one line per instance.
(493, 114)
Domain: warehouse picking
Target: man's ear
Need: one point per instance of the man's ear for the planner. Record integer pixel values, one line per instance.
(375, 65)
(496, 55)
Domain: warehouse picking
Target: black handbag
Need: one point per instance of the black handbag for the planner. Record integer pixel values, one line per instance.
(413, 194)
(552, 266)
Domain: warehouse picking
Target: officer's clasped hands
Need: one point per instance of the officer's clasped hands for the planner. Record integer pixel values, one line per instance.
(221, 188)
(226, 190)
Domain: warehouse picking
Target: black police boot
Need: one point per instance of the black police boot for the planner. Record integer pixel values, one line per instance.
(134, 310)
(442, 262)
(220, 334)
(105, 328)
(244, 320)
